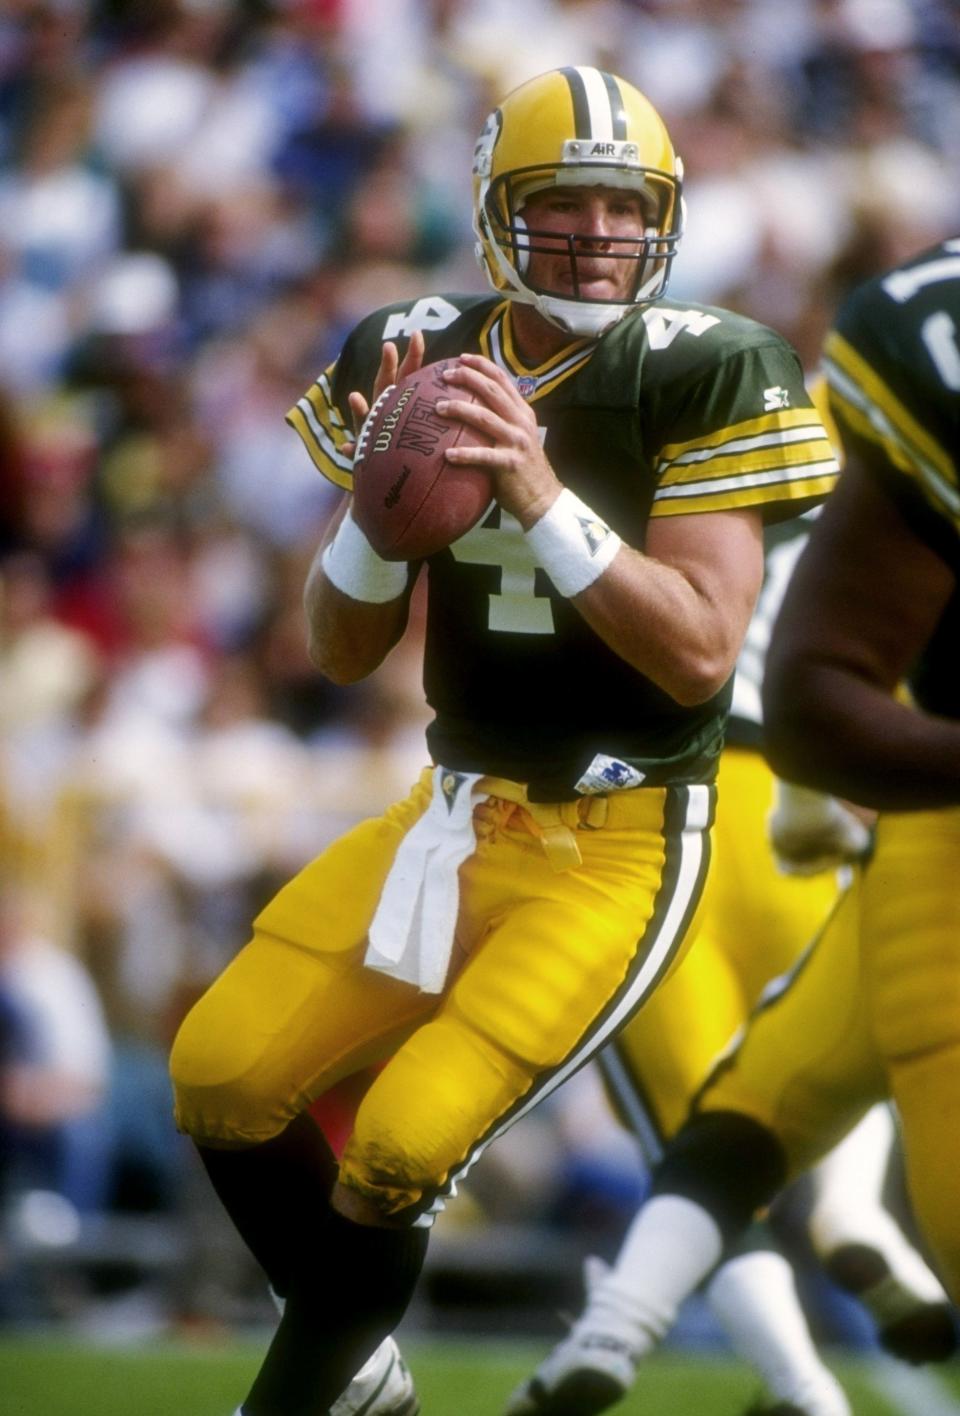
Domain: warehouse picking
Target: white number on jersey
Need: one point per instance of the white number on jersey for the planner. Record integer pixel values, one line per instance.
(432, 312)
(902, 285)
(939, 334)
(663, 326)
(515, 608)
(748, 681)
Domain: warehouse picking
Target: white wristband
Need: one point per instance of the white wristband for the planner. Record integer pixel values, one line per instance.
(572, 544)
(353, 566)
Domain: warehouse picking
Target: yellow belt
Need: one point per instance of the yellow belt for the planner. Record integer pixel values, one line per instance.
(555, 822)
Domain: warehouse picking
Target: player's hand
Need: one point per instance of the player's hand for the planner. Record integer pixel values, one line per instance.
(526, 485)
(811, 832)
(391, 369)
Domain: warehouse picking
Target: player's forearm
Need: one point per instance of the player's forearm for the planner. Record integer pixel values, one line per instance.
(355, 605)
(347, 640)
(839, 733)
(663, 625)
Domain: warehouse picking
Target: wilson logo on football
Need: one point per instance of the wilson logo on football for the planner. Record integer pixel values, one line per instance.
(390, 422)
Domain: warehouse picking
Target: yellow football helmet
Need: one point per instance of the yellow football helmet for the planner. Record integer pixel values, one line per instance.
(575, 127)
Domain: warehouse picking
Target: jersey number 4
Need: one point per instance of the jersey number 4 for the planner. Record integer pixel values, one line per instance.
(515, 608)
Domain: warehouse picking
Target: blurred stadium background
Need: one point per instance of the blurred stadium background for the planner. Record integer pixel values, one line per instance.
(197, 200)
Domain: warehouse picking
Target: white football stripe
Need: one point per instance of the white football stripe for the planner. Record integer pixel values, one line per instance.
(598, 101)
(711, 485)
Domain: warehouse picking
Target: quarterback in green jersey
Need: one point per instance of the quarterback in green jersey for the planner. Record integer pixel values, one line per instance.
(491, 932)
(860, 698)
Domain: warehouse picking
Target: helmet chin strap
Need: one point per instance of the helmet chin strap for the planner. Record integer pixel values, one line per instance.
(581, 318)
(577, 317)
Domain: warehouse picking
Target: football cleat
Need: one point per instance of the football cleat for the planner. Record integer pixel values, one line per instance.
(825, 1398)
(782, 1408)
(382, 1387)
(914, 1319)
(592, 1368)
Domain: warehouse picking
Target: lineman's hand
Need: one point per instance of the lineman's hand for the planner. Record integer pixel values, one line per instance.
(525, 483)
(812, 832)
(391, 369)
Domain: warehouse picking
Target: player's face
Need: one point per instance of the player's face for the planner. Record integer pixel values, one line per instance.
(594, 261)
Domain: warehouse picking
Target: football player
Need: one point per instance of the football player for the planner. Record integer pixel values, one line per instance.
(489, 934)
(758, 916)
(872, 1010)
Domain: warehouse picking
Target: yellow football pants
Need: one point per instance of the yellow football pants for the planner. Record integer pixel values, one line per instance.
(754, 924)
(549, 964)
(911, 976)
(874, 1012)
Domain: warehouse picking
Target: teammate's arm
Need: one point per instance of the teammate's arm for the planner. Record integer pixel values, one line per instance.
(356, 604)
(678, 612)
(865, 597)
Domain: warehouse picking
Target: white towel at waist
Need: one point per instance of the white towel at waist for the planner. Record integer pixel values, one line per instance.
(411, 937)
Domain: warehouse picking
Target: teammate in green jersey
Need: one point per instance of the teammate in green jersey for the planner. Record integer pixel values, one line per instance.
(491, 932)
(874, 1009)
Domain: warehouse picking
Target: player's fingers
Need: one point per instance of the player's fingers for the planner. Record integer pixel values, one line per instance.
(485, 420)
(359, 408)
(413, 359)
(480, 364)
(387, 372)
(498, 394)
(493, 459)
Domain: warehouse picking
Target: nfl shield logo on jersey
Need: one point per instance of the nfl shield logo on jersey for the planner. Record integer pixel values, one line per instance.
(526, 385)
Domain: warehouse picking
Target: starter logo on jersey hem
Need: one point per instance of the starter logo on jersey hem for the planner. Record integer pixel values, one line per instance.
(774, 398)
(450, 784)
(594, 532)
(608, 774)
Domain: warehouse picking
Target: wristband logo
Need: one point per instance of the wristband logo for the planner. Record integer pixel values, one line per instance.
(594, 532)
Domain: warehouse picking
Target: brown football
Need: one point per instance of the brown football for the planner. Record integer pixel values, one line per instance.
(408, 500)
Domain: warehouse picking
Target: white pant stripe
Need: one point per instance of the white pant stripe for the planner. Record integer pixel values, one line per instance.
(693, 849)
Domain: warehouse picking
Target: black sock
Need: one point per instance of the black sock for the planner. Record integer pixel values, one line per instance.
(342, 1303)
(276, 1193)
(727, 1163)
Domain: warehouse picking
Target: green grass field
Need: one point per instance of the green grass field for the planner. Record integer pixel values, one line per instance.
(47, 1378)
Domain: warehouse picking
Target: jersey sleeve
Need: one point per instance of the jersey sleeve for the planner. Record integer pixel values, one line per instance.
(324, 428)
(913, 463)
(746, 436)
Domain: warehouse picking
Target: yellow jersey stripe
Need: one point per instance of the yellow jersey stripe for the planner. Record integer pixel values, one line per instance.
(735, 492)
(496, 343)
(862, 399)
(792, 449)
(776, 422)
(320, 425)
(840, 358)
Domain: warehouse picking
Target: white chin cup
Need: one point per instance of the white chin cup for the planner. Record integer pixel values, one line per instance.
(580, 317)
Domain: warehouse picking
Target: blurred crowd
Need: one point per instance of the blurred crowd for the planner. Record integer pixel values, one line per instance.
(198, 198)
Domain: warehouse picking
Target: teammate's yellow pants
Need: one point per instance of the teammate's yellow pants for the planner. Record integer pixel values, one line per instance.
(754, 924)
(873, 1012)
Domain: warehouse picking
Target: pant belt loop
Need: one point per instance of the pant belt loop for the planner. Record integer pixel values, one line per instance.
(593, 812)
(560, 846)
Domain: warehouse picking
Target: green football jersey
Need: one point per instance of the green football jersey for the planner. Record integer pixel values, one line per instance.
(676, 410)
(782, 545)
(892, 362)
